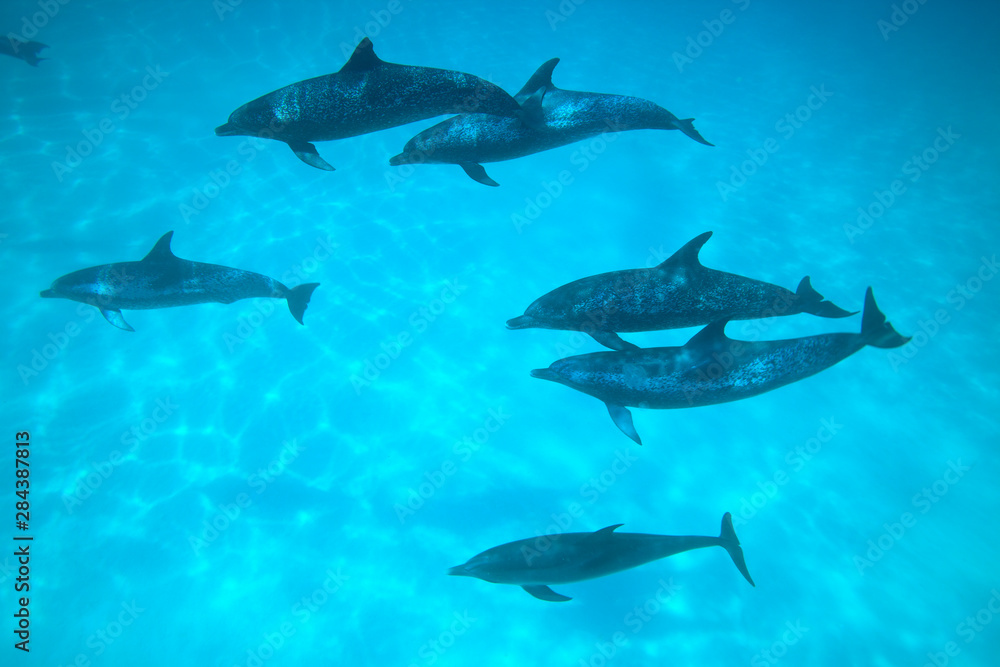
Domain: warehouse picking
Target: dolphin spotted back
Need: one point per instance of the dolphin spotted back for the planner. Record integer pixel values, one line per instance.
(163, 280)
(571, 557)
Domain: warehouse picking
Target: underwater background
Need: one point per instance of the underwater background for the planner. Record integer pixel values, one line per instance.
(223, 487)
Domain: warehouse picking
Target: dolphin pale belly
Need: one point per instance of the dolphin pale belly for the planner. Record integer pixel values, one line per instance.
(551, 117)
(163, 280)
(680, 292)
(366, 95)
(536, 563)
(711, 368)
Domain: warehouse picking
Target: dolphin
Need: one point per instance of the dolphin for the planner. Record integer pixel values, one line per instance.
(677, 293)
(557, 118)
(163, 280)
(366, 95)
(26, 51)
(535, 563)
(711, 367)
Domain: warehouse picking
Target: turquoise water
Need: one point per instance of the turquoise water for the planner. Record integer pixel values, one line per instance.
(342, 482)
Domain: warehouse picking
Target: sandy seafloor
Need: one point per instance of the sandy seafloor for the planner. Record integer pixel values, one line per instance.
(115, 577)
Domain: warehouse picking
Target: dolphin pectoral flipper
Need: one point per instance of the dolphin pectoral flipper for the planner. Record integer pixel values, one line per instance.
(545, 593)
(306, 152)
(623, 419)
(731, 543)
(478, 174)
(612, 340)
(115, 318)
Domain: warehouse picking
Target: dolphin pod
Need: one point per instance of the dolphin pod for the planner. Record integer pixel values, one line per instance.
(561, 117)
(711, 367)
(366, 95)
(163, 280)
(677, 293)
(536, 563)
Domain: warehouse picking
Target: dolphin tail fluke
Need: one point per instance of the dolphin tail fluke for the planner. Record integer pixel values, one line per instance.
(732, 544)
(812, 302)
(875, 331)
(298, 298)
(686, 125)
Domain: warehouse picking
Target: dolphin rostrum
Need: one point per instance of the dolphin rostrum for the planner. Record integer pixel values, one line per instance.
(366, 95)
(679, 292)
(163, 280)
(711, 367)
(552, 117)
(536, 563)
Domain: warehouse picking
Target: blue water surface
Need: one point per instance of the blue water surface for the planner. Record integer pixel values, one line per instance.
(225, 487)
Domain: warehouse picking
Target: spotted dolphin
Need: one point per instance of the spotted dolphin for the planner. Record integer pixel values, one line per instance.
(679, 292)
(366, 95)
(536, 563)
(711, 367)
(163, 280)
(26, 51)
(560, 117)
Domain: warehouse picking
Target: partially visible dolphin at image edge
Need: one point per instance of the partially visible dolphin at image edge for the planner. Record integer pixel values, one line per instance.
(570, 557)
(26, 51)
(163, 280)
(366, 95)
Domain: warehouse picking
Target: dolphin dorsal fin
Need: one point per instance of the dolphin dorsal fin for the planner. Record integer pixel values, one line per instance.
(711, 336)
(688, 254)
(363, 58)
(542, 78)
(161, 250)
(610, 529)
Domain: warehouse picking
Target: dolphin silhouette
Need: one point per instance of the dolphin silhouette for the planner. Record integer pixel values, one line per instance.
(552, 117)
(679, 292)
(26, 51)
(711, 367)
(535, 563)
(366, 95)
(163, 280)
